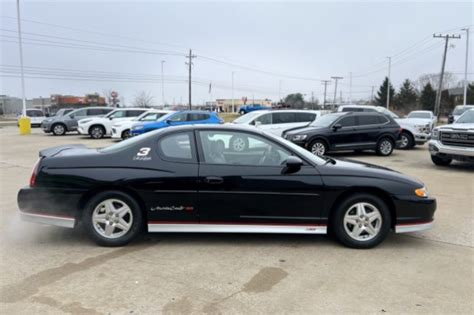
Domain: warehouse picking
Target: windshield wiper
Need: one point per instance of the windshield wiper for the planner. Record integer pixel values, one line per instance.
(328, 159)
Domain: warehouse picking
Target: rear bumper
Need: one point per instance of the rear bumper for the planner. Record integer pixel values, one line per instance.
(49, 206)
(414, 213)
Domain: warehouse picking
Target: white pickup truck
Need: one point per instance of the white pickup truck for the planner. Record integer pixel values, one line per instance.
(414, 131)
(453, 142)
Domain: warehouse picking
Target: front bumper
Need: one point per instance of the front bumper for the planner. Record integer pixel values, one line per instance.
(413, 213)
(83, 130)
(436, 148)
(49, 206)
(422, 138)
(46, 127)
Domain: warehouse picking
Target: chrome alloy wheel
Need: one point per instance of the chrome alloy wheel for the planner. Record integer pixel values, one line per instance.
(58, 129)
(405, 141)
(97, 133)
(318, 148)
(362, 221)
(112, 218)
(238, 144)
(385, 147)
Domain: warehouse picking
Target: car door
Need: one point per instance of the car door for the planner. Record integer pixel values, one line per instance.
(170, 190)
(344, 136)
(72, 119)
(366, 131)
(251, 186)
(281, 121)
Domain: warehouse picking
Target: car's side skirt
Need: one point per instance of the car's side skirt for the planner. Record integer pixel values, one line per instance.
(154, 226)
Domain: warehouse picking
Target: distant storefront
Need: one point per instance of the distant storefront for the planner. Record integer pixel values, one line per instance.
(225, 105)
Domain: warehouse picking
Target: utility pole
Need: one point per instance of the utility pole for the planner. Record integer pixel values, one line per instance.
(190, 64)
(350, 87)
(312, 99)
(372, 95)
(335, 88)
(325, 82)
(233, 108)
(465, 65)
(388, 83)
(162, 84)
(279, 91)
(440, 86)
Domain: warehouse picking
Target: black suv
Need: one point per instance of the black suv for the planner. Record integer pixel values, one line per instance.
(348, 131)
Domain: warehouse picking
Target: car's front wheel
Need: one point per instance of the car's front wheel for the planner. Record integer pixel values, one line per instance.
(97, 132)
(126, 134)
(384, 147)
(318, 147)
(112, 218)
(361, 221)
(59, 129)
(407, 141)
(440, 161)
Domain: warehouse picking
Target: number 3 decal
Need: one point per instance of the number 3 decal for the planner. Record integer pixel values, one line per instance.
(143, 152)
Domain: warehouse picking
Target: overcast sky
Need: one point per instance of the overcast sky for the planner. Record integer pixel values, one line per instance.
(272, 47)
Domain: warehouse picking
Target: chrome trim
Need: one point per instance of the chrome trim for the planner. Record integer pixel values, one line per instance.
(48, 219)
(449, 149)
(237, 228)
(413, 227)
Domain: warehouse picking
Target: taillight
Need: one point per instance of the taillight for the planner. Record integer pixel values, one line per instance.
(35, 172)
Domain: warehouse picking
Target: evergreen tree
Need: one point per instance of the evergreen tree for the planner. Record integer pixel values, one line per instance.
(470, 94)
(406, 98)
(428, 97)
(381, 98)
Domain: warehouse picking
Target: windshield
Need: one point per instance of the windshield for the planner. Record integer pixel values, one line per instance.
(247, 118)
(461, 109)
(326, 120)
(385, 111)
(154, 116)
(466, 118)
(419, 115)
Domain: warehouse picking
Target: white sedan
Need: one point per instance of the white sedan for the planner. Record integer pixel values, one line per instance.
(98, 127)
(121, 129)
(425, 116)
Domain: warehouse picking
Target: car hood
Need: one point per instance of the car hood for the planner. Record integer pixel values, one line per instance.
(467, 127)
(348, 167)
(305, 130)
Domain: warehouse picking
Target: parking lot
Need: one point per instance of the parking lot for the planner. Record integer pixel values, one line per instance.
(49, 269)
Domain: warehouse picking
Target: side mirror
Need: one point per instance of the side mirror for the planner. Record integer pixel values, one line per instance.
(292, 164)
(168, 121)
(336, 127)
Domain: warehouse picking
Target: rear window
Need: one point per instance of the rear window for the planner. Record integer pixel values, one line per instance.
(197, 116)
(304, 117)
(134, 113)
(34, 113)
(96, 111)
(382, 119)
(177, 147)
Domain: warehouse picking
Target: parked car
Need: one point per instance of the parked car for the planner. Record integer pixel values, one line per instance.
(62, 112)
(348, 131)
(121, 130)
(413, 132)
(252, 107)
(36, 117)
(186, 179)
(59, 125)
(278, 121)
(421, 117)
(186, 117)
(457, 112)
(100, 126)
(454, 141)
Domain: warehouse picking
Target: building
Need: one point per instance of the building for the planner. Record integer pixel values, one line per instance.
(58, 101)
(225, 105)
(10, 105)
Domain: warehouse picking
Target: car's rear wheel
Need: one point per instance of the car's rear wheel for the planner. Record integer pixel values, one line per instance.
(97, 132)
(407, 141)
(126, 134)
(239, 143)
(361, 221)
(441, 161)
(318, 147)
(112, 218)
(384, 147)
(59, 129)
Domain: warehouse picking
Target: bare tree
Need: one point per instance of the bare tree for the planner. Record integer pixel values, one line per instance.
(143, 99)
(449, 80)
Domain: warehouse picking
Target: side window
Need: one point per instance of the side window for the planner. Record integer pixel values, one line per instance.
(118, 114)
(368, 120)
(178, 117)
(197, 116)
(80, 113)
(283, 118)
(347, 121)
(238, 148)
(264, 119)
(94, 111)
(177, 147)
(304, 117)
(352, 109)
(133, 113)
(382, 119)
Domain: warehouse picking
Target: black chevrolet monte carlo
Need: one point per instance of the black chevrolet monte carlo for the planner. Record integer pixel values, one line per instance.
(188, 179)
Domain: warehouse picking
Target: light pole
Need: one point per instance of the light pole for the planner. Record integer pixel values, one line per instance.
(25, 127)
(233, 108)
(162, 84)
(388, 81)
(465, 65)
(335, 88)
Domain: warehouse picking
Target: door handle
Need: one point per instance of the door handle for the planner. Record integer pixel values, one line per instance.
(213, 180)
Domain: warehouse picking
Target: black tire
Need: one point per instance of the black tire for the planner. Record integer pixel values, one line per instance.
(318, 147)
(440, 161)
(136, 219)
(384, 146)
(125, 134)
(58, 129)
(238, 143)
(96, 132)
(340, 231)
(408, 141)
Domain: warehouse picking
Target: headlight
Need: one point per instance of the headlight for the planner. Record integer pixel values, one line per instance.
(137, 127)
(423, 128)
(435, 134)
(299, 137)
(85, 121)
(421, 192)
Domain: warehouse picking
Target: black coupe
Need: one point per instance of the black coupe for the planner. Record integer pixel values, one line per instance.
(188, 179)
